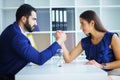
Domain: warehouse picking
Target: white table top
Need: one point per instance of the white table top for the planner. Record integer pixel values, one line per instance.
(71, 71)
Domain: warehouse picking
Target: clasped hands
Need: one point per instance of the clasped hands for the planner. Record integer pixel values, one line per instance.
(60, 36)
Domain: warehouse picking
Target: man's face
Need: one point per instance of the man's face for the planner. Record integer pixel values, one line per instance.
(31, 22)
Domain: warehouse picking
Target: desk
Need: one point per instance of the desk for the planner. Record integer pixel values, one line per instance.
(71, 71)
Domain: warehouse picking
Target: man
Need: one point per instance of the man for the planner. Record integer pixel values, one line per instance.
(15, 48)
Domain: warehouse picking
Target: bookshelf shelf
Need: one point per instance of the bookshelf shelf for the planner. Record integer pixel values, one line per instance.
(108, 11)
(87, 2)
(110, 2)
(38, 3)
(12, 3)
(64, 3)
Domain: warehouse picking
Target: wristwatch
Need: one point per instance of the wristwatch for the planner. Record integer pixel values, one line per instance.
(104, 65)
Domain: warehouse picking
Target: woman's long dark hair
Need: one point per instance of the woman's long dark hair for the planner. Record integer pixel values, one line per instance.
(91, 15)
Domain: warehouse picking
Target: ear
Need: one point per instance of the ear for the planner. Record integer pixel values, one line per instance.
(23, 19)
(92, 22)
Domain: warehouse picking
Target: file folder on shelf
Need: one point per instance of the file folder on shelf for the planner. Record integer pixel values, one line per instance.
(65, 20)
(53, 19)
(30, 37)
(59, 19)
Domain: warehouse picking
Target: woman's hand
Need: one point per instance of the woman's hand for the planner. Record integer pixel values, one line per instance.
(93, 62)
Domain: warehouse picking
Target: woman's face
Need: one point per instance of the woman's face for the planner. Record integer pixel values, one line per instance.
(85, 26)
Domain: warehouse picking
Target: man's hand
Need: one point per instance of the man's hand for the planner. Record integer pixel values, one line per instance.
(60, 36)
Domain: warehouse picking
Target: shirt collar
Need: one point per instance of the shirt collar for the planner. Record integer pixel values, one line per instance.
(24, 33)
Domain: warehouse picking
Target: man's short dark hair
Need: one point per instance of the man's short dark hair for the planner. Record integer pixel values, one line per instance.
(24, 10)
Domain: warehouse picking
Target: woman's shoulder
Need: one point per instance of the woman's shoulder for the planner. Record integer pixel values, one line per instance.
(109, 35)
(86, 40)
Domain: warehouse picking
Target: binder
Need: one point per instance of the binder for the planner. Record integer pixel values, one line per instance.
(53, 20)
(65, 19)
(61, 20)
(53, 38)
(30, 37)
(57, 20)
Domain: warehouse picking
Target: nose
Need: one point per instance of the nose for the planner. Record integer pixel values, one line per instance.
(35, 22)
(80, 27)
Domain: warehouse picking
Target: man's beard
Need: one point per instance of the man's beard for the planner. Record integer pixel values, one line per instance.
(28, 27)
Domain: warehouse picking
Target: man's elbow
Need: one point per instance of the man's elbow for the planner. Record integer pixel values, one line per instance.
(41, 63)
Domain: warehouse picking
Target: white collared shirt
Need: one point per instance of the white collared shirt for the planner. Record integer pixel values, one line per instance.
(24, 33)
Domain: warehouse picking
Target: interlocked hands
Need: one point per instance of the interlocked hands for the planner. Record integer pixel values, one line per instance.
(60, 36)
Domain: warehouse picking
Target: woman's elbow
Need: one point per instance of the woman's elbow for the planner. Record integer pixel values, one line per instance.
(67, 60)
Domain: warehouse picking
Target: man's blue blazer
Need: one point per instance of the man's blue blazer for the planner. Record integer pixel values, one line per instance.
(16, 51)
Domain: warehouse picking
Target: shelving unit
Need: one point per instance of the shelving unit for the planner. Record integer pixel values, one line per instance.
(108, 11)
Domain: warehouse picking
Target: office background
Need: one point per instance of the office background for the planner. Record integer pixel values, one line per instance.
(62, 14)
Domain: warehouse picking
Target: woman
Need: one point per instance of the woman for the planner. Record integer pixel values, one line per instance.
(102, 48)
